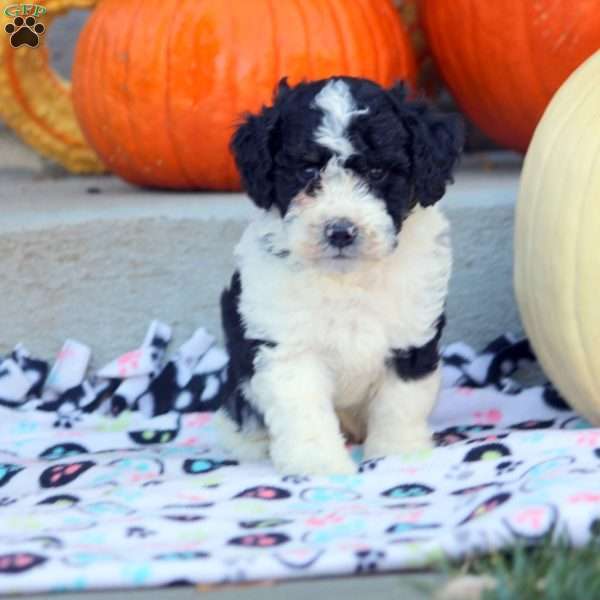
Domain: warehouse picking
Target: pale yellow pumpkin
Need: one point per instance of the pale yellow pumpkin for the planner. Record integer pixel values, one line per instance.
(557, 240)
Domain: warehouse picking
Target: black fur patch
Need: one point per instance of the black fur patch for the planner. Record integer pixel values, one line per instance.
(242, 352)
(416, 363)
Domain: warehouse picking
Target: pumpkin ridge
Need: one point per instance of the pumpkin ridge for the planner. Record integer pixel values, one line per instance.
(234, 100)
(128, 161)
(351, 33)
(308, 52)
(81, 83)
(151, 121)
(514, 119)
(173, 145)
(393, 39)
(550, 339)
(536, 87)
(106, 113)
(480, 71)
(373, 44)
(539, 13)
(132, 158)
(379, 41)
(104, 141)
(577, 280)
(276, 57)
(394, 31)
(333, 11)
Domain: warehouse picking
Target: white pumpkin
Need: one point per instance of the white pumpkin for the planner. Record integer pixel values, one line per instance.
(557, 240)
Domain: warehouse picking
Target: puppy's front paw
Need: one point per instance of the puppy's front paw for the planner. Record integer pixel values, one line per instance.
(402, 444)
(306, 461)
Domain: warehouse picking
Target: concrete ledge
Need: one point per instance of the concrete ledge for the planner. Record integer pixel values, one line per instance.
(96, 259)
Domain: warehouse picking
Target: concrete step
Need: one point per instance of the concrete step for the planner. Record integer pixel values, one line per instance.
(96, 259)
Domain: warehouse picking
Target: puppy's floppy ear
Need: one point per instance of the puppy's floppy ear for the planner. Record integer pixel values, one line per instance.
(253, 145)
(436, 141)
(252, 148)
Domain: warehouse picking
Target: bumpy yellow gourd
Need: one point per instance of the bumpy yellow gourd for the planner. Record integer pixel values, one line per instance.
(557, 240)
(36, 102)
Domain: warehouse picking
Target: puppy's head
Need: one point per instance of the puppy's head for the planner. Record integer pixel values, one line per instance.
(344, 162)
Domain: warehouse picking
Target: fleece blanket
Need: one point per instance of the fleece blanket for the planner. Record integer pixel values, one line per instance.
(116, 479)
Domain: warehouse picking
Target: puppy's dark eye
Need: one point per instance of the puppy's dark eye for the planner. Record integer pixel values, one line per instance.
(308, 173)
(377, 174)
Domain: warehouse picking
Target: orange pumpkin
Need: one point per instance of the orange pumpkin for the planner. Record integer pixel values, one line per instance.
(158, 85)
(503, 60)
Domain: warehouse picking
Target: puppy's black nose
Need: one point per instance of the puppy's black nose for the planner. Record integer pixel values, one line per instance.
(341, 233)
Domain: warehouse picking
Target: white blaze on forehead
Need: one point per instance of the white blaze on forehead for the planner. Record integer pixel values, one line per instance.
(337, 104)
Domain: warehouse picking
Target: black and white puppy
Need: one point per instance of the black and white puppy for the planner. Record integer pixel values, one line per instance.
(333, 317)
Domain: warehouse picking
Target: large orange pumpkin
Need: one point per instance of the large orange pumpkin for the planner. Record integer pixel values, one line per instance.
(158, 85)
(504, 59)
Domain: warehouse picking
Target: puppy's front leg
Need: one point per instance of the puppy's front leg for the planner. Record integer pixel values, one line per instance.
(397, 420)
(295, 395)
(398, 415)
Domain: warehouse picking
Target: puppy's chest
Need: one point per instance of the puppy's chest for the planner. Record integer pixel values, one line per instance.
(350, 336)
(349, 316)
(348, 327)
(354, 344)
(346, 324)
